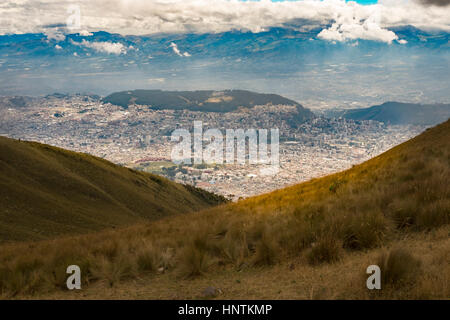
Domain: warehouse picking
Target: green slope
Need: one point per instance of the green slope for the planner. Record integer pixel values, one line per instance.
(402, 113)
(46, 191)
(204, 100)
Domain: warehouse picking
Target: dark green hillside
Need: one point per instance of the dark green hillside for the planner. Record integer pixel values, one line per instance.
(402, 113)
(206, 100)
(46, 191)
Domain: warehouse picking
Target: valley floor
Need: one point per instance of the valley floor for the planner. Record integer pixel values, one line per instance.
(295, 279)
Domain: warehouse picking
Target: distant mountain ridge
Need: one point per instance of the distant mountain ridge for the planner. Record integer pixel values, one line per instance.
(47, 191)
(402, 113)
(203, 100)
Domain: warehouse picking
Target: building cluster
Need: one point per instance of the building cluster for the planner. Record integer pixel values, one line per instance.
(140, 137)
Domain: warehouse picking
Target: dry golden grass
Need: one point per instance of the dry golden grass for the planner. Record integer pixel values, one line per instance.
(292, 279)
(330, 229)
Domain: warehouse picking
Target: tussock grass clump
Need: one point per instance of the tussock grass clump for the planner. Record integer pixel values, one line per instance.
(434, 215)
(113, 271)
(404, 212)
(147, 260)
(193, 262)
(364, 231)
(55, 272)
(14, 280)
(235, 249)
(411, 214)
(326, 250)
(398, 267)
(266, 251)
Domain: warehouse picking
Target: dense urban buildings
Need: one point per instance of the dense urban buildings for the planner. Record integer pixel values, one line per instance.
(140, 137)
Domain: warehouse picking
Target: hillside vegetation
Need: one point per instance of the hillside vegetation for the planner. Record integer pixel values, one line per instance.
(312, 240)
(402, 113)
(203, 100)
(46, 191)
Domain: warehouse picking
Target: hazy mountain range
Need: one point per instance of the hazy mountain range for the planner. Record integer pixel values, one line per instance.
(391, 112)
(230, 100)
(402, 113)
(206, 101)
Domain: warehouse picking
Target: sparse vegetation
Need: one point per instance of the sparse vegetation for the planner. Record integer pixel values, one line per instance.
(194, 261)
(327, 250)
(398, 267)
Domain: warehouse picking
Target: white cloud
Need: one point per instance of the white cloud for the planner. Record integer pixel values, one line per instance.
(85, 33)
(105, 47)
(349, 28)
(55, 35)
(152, 80)
(177, 51)
(58, 47)
(349, 20)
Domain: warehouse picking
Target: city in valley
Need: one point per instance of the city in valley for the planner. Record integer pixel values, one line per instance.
(139, 137)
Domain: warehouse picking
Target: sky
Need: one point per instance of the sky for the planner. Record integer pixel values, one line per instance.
(334, 43)
(358, 1)
(366, 1)
(349, 20)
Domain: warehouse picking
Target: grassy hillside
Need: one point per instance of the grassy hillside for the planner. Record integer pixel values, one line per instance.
(204, 100)
(312, 240)
(402, 113)
(46, 191)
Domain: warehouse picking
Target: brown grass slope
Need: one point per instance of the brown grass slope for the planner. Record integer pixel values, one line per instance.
(328, 230)
(46, 191)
